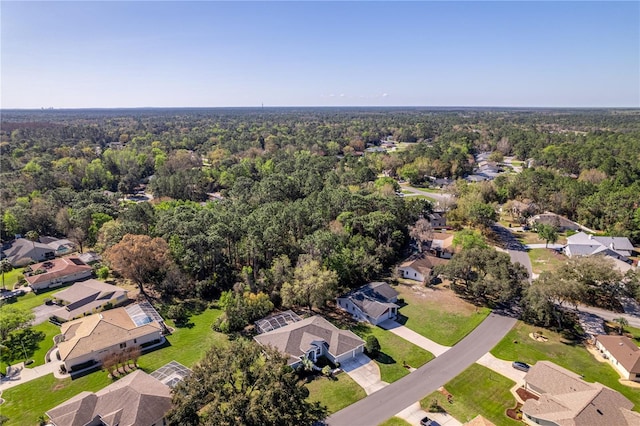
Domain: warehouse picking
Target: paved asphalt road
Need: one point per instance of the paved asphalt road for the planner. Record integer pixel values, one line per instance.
(516, 250)
(443, 198)
(633, 320)
(389, 401)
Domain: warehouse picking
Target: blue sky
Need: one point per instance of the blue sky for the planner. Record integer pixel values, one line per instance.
(198, 54)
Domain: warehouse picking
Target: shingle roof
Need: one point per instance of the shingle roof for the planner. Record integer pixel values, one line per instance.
(295, 339)
(567, 400)
(373, 298)
(57, 268)
(423, 263)
(22, 249)
(99, 331)
(138, 399)
(623, 350)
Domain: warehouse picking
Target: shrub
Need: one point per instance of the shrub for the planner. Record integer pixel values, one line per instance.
(372, 346)
(103, 273)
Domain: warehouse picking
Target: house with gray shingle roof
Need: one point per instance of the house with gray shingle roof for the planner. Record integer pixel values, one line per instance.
(86, 297)
(617, 248)
(567, 400)
(312, 338)
(373, 302)
(137, 399)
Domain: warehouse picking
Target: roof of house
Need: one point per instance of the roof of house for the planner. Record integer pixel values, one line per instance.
(96, 332)
(623, 350)
(84, 296)
(137, 399)
(479, 421)
(57, 268)
(423, 263)
(567, 400)
(295, 339)
(23, 248)
(616, 244)
(373, 298)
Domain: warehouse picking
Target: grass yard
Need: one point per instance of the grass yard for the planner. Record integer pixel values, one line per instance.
(31, 300)
(438, 313)
(570, 355)
(11, 278)
(395, 421)
(545, 260)
(26, 402)
(335, 394)
(477, 390)
(187, 345)
(49, 331)
(394, 351)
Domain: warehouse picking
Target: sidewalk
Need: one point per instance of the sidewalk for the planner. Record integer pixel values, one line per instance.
(413, 337)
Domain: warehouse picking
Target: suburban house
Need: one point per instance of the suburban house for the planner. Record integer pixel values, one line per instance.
(22, 252)
(55, 272)
(312, 338)
(622, 353)
(137, 399)
(419, 267)
(86, 341)
(437, 220)
(60, 247)
(559, 222)
(617, 248)
(565, 399)
(441, 244)
(373, 302)
(582, 244)
(86, 297)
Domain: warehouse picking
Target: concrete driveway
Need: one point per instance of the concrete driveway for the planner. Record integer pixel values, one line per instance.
(502, 367)
(365, 372)
(413, 414)
(43, 312)
(413, 337)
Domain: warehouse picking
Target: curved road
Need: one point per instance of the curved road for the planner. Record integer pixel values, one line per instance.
(392, 399)
(517, 251)
(441, 197)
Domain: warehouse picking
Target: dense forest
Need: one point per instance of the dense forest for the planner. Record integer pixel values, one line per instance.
(266, 197)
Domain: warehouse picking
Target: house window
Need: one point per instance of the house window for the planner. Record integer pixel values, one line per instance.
(123, 345)
(135, 340)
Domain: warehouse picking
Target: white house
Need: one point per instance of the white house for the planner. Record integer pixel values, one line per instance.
(56, 272)
(622, 353)
(419, 267)
(373, 302)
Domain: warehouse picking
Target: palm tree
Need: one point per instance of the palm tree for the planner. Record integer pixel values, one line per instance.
(622, 321)
(5, 266)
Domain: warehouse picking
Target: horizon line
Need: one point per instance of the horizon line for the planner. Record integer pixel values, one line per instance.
(259, 107)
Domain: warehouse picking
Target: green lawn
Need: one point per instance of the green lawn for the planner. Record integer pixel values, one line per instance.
(11, 278)
(545, 260)
(394, 351)
(336, 393)
(444, 320)
(395, 421)
(570, 355)
(49, 330)
(477, 390)
(31, 300)
(187, 345)
(25, 403)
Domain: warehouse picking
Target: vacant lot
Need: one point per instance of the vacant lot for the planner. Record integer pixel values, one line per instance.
(477, 390)
(438, 314)
(568, 354)
(335, 393)
(545, 260)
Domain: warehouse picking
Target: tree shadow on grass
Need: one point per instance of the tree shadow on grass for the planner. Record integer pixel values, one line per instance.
(383, 358)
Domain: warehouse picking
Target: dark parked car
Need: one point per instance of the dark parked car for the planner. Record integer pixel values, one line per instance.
(521, 366)
(427, 422)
